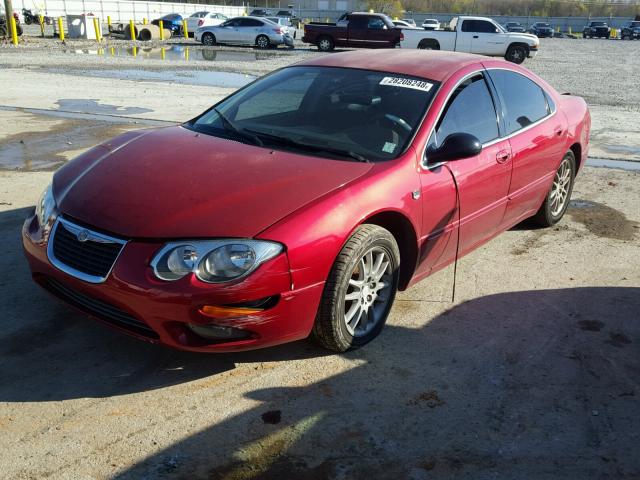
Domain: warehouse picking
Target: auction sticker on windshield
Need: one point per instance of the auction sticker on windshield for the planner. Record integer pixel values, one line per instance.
(407, 83)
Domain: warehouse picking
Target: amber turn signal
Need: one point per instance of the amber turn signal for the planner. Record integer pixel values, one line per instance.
(228, 312)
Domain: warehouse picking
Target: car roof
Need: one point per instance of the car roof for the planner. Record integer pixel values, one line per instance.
(432, 64)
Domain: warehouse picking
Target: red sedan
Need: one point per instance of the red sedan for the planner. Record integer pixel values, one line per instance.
(301, 203)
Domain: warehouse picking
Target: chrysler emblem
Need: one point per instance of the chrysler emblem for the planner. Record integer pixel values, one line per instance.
(83, 235)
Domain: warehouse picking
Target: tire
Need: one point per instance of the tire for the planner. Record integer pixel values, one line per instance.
(208, 39)
(262, 42)
(352, 275)
(429, 46)
(28, 21)
(325, 44)
(550, 212)
(516, 54)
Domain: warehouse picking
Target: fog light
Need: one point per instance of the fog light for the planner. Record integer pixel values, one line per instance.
(218, 332)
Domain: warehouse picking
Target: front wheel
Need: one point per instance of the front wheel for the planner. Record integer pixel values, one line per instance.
(557, 200)
(516, 54)
(359, 291)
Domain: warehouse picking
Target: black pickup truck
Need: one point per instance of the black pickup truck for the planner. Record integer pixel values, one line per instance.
(364, 30)
(596, 29)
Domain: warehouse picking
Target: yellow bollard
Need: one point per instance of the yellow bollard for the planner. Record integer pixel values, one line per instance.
(132, 30)
(184, 28)
(14, 31)
(41, 21)
(109, 22)
(98, 29)
(144, 21)
(161, 25)
(614, 33)
(60, 29)
(112, 51)
(135, 51)
(186, 54)
(162, 53)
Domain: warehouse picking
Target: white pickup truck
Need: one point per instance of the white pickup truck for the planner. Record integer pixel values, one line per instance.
(479, 35)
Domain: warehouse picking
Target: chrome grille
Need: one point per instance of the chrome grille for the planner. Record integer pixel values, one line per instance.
(81, 252)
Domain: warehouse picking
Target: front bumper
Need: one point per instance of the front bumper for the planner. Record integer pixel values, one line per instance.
(133, 300)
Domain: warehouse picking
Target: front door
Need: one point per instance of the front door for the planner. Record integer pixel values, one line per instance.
(483, 180)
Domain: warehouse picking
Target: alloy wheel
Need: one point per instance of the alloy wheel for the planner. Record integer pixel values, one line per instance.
(368, 292)
(560, 188)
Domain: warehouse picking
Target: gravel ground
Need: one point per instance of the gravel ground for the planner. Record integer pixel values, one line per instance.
(532, 373)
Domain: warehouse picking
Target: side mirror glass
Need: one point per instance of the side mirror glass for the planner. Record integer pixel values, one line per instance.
(455, 147)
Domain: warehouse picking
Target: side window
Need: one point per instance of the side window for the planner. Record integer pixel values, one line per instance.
(358, 21)
(376, 23)
(523, 100)
(470, 110)
(478, 26)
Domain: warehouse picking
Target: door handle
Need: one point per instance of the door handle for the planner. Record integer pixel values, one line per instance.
(475, 36)
(502, 156)
(559, 132)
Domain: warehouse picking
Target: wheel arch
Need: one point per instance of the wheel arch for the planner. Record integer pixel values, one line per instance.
(429, 42)
(576, 148)
(405, 234)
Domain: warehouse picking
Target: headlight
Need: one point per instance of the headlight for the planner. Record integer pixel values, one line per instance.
(213, 261)
(45, 206)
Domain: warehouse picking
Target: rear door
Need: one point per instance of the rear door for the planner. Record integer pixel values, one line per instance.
(248, 30)
(536, 132)
(483, 180)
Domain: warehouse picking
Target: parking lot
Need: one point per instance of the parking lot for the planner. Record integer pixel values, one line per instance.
(531, 373)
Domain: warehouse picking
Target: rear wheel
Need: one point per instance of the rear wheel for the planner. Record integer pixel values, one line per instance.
(516, 54)
(208, 39)
(557, 200)
(428, 45)
(263, 41)
(325, 44)
(359, 291)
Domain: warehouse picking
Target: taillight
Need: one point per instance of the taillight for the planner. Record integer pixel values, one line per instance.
(200, 22)
(278, 31)
(401, 36)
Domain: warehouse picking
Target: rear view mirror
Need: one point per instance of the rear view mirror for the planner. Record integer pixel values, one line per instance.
(455, 147)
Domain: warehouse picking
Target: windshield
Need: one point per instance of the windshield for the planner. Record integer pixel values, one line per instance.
(331, 112)
(598, 24)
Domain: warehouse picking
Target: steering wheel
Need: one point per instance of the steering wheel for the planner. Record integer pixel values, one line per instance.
(398, 121)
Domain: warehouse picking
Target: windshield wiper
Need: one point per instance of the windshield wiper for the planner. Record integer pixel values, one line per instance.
(239, 132)
(307, 146)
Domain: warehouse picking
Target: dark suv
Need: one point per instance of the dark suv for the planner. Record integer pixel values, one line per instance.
(631, 30)
(513, 27)
(596, 29)
(541, 29)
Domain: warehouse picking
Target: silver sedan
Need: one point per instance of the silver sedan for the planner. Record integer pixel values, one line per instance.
(256, 31)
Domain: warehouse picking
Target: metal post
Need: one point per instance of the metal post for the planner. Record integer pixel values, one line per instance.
(184, 28)
(8, 11)
(41, 21)
(161, 25)
(14, 30)
(132, 30)
(98, 28)
(60, 29)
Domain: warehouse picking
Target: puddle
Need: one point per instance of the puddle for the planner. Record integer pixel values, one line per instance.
(93, 105)
(602, 220)
(623, 149)
(49, 149)
(621, 164)
(175, 53)
(192, 77)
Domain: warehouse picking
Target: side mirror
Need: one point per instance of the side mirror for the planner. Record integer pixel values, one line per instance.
(455, 147)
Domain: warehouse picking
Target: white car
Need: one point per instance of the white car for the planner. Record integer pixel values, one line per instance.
(431, 24)
(256, 31)
(202, 19)
(410, 21)
(403, 24)
(285, 24)
(479, 35)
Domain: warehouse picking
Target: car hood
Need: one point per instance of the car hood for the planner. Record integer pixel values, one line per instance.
(175, 183)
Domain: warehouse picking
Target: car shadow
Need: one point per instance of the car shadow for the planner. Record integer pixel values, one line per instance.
(50, 352)
(532, 384)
